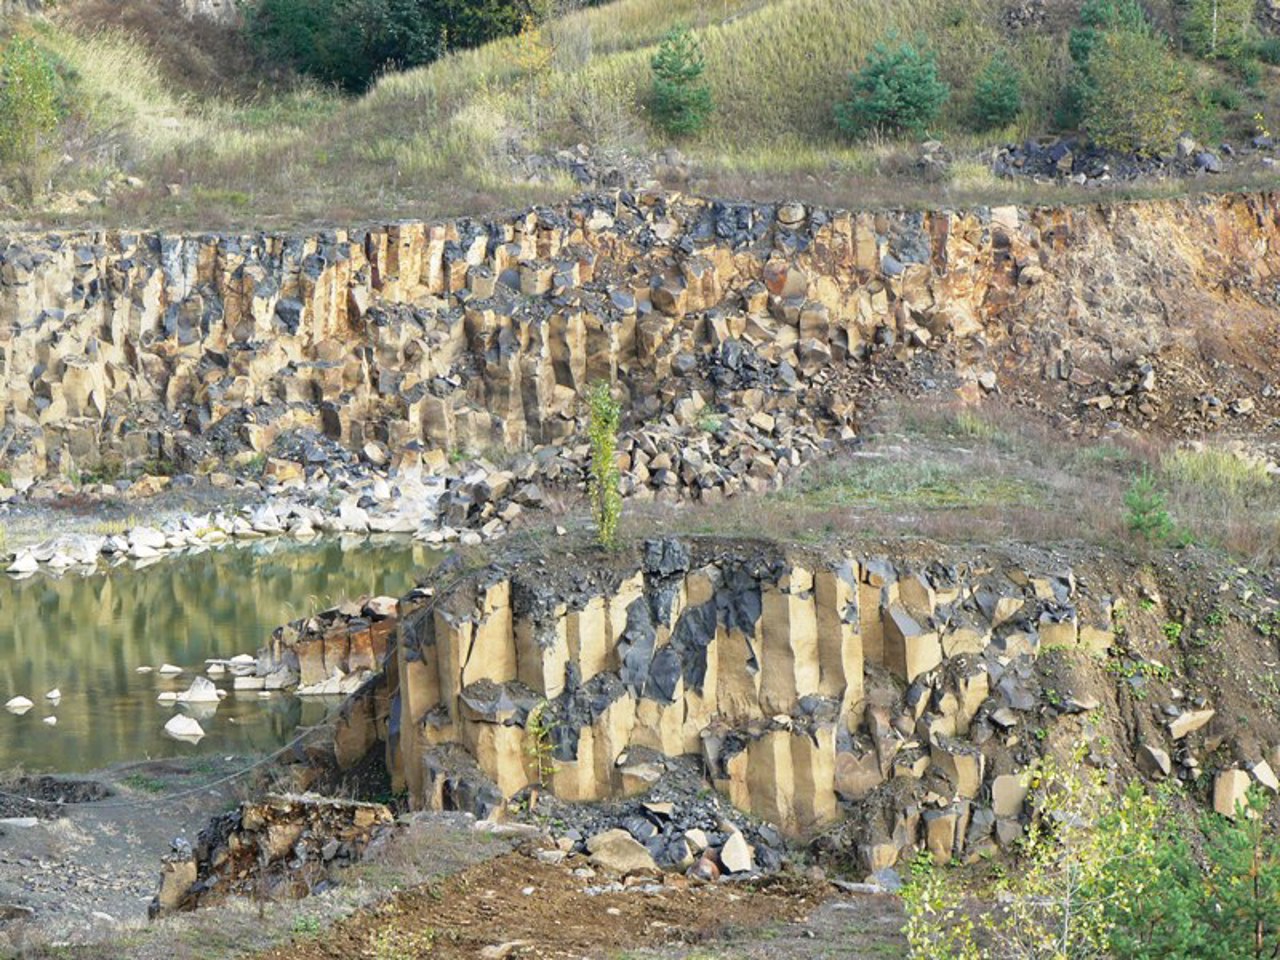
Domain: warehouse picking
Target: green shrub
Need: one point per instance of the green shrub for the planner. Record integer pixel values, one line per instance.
(1134, 94)
(30, 101)
(604, 417)
(1248, 70)
(1224, 97)
(897, 90)
(997, 95)
(1217, 28)
(1268, 50)
(1146, 511)
(1099, 17)
(680, 100)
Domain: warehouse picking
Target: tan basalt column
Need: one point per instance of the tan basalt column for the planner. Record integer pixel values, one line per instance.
(500, 752)
(874, 592)
(789, 642)
(453, 641)
(839, 640)
(909, 649)
(492, 655)
(738, 684)
(770, 778)
(542, 653)
(587, 633)
(660, 726)
(813, 760)
(736, 784)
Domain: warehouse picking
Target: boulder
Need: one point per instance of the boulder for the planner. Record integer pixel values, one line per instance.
(182, 727)
(736, 856)
(617, 851)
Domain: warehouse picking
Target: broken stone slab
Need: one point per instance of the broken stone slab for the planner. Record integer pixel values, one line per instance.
(1230, 789)
(1008, 794)
(1189, 722)
(736, 855)
(616, 850)
(1153, 761)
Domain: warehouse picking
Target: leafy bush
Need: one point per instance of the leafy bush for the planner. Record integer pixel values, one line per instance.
(1217, 28)
(680, 100)
(1106, 876)
(30, 100)
(897, 90)
(604, 417)
(1134, 94)
(997, 95)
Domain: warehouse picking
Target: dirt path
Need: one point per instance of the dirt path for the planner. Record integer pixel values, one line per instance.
(518, 906)
(85, 870)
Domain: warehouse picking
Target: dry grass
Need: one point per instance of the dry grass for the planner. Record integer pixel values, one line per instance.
(996, 474)
(439, 140)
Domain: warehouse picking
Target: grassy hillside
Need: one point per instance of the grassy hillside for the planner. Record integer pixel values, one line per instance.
(438, 140)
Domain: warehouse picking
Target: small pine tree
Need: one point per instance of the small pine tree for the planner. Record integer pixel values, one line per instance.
(997, 95)
(30, 100)
(604, 418)
(680, 99)
(896, 91)
(1147, 514)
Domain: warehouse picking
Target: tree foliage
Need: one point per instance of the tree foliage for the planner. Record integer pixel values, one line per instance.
(1100, 17)
(898, 90)
(30, 100)
(1135, 96)
(348, 43)
(604, 415)
(1099, 876)
(997, 95)
(680, 100)
(1218, 28)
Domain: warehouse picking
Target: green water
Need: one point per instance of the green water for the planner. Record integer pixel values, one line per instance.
(87, 635)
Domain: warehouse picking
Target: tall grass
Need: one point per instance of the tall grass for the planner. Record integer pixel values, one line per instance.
(438, 140)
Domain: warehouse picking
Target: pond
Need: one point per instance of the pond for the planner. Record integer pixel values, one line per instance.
(86, 636)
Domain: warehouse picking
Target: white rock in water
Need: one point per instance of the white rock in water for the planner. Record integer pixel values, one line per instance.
(19, 705)
(201, 690)
(170, 670)
(54, 694)
(24, 562)
(51, 721)
(216, 670)
(168, 696)
(143, 669)
(182, 727)
(244, 660)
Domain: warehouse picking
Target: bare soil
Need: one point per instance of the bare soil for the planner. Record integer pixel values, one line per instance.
(518, 906)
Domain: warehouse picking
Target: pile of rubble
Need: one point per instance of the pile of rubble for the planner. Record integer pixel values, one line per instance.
(282, 846)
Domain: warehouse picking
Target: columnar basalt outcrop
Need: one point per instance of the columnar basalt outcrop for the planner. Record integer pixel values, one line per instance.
(462, 334)
(808, 686)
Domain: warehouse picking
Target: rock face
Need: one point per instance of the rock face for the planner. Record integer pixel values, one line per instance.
(462, 335)
(784, 675)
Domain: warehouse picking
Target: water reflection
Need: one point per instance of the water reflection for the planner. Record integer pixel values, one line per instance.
(88, 635)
